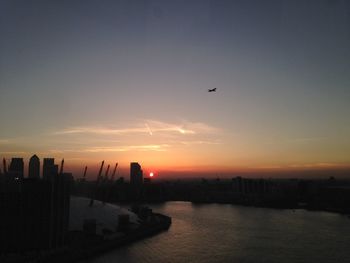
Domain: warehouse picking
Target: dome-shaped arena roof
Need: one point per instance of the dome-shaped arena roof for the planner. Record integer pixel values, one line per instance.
(106, 215)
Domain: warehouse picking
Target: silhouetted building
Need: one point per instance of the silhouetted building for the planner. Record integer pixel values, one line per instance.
(49, 168)
(237, 184)
(147, 180)
(34, 213)
(136, 174)
(34, 167)
(59, 216)
(16, 169)
(120, 180)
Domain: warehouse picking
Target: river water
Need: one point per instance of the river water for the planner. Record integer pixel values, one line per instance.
(229, 233)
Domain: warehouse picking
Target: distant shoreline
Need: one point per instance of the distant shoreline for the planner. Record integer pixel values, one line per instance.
(304, 207)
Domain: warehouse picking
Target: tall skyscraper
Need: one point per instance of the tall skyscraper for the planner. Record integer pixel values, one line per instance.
(49, 168)
(34, 213)
(34, 167)
(59, 216)
(136, 174)
(16, 168)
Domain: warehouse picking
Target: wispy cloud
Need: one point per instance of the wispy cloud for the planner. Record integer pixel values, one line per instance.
(200, 142)
(13, 152)
(315, 165)
(269, 167)
(4, 141)
(156, 136)
(99, 130)
(127, 148)
(185, 127)
(152, 147)
(149, 127)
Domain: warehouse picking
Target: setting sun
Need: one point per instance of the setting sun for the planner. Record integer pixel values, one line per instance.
(151, 174)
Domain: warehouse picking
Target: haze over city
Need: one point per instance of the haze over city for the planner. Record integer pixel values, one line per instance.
(128, 81)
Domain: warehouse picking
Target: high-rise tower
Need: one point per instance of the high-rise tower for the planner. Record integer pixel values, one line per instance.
(16, 168)
(49, 168)
(34, 167)
(136, 174)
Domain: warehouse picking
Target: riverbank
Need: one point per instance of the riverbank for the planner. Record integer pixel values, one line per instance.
(83, 247)
(209, 233)
(292, 206)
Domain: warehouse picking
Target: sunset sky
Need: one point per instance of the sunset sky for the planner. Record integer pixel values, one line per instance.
(126, 81)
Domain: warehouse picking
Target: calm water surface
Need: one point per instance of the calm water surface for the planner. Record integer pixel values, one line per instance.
(227, 233)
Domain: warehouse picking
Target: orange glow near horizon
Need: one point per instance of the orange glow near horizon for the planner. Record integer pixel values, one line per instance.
(181, 160)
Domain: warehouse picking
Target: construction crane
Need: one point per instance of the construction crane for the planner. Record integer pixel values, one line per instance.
(100, 172)
(97, 182)
(84, 175)
(106, 174)
(114, 171)
(105, 180)
(110, 187)
(61, 169)
(5, 166)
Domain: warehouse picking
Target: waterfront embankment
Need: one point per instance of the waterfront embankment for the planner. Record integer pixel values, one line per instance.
(85, 247)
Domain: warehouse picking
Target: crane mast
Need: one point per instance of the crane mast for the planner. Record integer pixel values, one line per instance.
(5, 166)
(97, 182)
(84, 175)
(114, 171)
(100, 172)
(106, 174)
(61, 169)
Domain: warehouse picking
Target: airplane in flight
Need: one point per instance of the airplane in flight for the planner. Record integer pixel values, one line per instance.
(212, 90)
